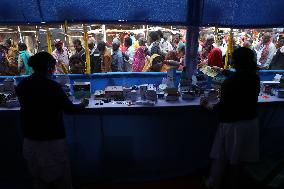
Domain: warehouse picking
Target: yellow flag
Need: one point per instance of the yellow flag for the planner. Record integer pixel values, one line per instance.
(229, 49)
(49, 41)
(88, 59)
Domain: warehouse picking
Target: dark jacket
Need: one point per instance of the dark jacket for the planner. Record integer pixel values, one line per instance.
(277, 62)
(239, 97)
(42, 105)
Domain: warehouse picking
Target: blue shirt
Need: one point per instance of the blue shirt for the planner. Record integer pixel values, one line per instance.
(117, 61)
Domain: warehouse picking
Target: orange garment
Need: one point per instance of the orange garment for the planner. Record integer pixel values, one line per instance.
(12, 62)
(164, 68)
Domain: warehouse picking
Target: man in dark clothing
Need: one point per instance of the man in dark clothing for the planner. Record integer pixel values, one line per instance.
(42, 103)
(277, 62)
(95, 57)
(117, 64)
(78, 55)
(3, 60)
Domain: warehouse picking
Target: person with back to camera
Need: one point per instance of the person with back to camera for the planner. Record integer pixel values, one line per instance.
(43, 103)
(22, 59)
(237, 139)
(129, 54)
(139, 58)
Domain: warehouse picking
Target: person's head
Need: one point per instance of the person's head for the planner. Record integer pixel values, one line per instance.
(209, 40)
(140, 35)
(247, 44)
(128, 42)
(280, 42)
(101, 47)
(115, 44)
(2, 48)
(8, 43)
(171, 55)
(22, 46)
(153, 36)
(76, 64)
(91, 43)
(160, 34)
(176, 38)
(100, 37)
(165, 37)
(77, 45)
(142, 41)
(266, 38)
(157, 64)
(244, 60)
(58, 44)
(42, 63)
(181, 50)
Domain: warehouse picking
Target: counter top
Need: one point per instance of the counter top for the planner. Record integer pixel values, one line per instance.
(160, 104)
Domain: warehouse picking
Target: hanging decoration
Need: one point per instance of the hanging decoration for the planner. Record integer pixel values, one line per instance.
(229, 50)
(88, 60)
(49, 41)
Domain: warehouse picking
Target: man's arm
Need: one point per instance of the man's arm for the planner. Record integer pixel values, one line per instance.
(67, 105)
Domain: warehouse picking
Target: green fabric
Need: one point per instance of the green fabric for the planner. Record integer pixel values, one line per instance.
(25, 57)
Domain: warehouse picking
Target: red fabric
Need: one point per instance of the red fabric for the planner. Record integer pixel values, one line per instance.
(122, 48)
(215, 58)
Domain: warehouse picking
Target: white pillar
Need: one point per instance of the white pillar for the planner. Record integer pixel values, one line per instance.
(104, 32)
(20, 33)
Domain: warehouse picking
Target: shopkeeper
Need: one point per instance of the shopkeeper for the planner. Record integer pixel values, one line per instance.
(237, 137)
(42, 103)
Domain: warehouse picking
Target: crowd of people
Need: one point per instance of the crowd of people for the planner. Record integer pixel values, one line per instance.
(14, 60)
(268, 50)
(131, 54)
(138, 54)
(128, 55)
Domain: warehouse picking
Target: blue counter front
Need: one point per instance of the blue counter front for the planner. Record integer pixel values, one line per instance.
(134, 143)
